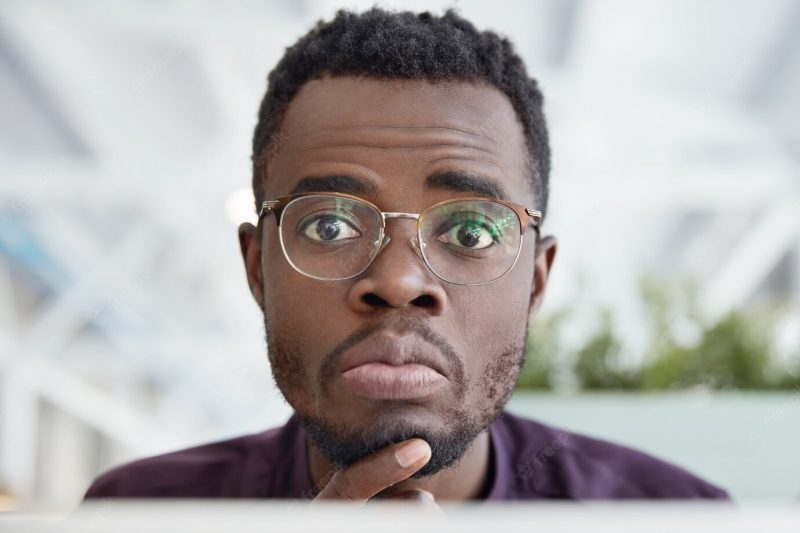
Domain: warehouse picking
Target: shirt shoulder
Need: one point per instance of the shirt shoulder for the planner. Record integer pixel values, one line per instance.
(548, 462)
(248, 466)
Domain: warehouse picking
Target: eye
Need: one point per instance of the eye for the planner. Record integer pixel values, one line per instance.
(328, 228)
(471, 234)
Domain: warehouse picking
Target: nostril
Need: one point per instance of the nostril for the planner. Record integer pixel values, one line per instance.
(426, 300)
(373, 300)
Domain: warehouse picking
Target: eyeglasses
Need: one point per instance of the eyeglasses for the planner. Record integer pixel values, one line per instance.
(335, 236)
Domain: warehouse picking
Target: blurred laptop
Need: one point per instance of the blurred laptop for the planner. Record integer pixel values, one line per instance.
(120, 516)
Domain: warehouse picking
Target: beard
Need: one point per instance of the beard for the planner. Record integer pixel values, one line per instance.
(342, 446)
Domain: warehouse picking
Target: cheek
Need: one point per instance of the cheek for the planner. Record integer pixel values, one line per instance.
(495, 312)
(493, 320)
(301, 311)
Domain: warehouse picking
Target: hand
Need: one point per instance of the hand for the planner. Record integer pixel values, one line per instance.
(373, 474)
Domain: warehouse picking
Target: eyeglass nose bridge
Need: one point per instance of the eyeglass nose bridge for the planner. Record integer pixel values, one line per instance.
(384, 239)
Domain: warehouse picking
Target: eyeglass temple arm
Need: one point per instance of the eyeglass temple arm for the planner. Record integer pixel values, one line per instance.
(273, 206)
(535, 218)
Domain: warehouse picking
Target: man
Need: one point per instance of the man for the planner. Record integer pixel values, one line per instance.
(400, 170)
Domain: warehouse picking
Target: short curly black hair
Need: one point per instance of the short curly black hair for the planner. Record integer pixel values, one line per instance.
(404, 45)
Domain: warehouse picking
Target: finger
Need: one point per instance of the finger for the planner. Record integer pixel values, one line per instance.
(367, 477)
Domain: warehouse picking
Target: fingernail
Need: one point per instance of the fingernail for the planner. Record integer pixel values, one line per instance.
(412, 453)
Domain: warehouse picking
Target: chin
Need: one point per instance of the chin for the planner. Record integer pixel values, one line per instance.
(344, 444)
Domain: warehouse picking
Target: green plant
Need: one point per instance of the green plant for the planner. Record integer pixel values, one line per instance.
(730, 354)
(598, 366)
(733, 352)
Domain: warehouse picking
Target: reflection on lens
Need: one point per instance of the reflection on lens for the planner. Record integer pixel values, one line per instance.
(470, 241)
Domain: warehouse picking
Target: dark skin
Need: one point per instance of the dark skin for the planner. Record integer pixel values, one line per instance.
(391, 136)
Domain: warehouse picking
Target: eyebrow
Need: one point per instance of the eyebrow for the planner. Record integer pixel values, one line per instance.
(450, 180)
(463, 182)
(335, 183)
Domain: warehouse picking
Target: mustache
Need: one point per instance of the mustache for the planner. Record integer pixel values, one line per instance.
(403, 325)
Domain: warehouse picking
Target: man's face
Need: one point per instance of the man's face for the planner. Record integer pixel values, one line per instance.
(387, 138)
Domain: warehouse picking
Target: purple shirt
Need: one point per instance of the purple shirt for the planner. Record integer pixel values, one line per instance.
(529, 461)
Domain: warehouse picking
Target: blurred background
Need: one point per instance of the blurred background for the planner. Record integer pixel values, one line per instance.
(672, 322)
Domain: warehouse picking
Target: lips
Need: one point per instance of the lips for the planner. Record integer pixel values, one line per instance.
(379, 381)
(390, 367)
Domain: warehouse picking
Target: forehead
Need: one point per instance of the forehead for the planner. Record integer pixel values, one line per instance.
(395, 129)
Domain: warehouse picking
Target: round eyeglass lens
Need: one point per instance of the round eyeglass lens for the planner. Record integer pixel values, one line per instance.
(470, 242)
(329, 237)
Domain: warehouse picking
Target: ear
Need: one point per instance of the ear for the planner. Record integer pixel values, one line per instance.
(251, 253)
(543, 263)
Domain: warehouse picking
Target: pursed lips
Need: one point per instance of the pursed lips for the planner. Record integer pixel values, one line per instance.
(394, 350)
(388, 367)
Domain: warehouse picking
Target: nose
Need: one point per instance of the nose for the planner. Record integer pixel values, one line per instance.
(398, 277)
